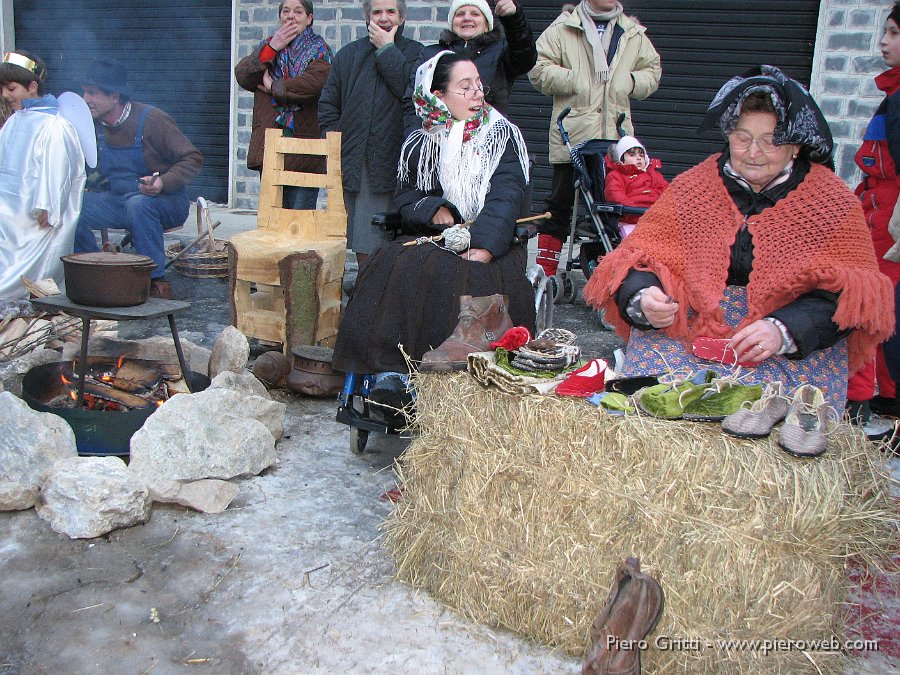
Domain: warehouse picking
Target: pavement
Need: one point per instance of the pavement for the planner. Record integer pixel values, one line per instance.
(292, 578)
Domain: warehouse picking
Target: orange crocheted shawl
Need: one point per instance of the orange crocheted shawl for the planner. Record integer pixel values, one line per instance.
(813, 238)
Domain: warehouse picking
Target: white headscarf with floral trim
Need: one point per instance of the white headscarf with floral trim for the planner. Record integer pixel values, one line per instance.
(461, 154)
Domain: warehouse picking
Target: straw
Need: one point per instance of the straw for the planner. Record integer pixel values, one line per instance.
(517, 509)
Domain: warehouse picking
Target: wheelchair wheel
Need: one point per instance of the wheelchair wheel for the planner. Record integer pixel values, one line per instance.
(601, 319)
(588, 256)
(568, 290)
(358, 440)
(543, 315)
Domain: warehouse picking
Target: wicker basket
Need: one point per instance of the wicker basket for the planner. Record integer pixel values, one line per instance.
(210, 257)
(200, 265)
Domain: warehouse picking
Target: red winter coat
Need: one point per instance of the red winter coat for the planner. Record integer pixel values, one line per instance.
(877, 157)
(629, 186)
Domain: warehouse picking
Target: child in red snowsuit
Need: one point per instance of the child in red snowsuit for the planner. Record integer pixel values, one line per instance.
(632, 179)
(879, 157)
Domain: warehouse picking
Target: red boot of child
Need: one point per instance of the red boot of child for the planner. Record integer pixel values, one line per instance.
(549, 248)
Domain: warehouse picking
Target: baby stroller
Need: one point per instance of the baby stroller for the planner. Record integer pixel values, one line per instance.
(598, 231)
(354, 406)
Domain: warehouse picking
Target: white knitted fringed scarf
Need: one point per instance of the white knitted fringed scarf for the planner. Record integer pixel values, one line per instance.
(460, 156)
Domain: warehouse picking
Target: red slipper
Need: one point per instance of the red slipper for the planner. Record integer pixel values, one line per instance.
(392, 495)
(513, 338)
(587, 380)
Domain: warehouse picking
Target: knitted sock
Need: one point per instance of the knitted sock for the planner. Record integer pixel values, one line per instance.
(548, 253)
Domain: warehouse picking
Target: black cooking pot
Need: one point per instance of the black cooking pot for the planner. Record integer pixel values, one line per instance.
(107, 279)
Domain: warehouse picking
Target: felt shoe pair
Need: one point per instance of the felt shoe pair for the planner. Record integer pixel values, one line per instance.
(806, 424)
(585, 381)
(705, 397)
(758, 419)
(668, 400)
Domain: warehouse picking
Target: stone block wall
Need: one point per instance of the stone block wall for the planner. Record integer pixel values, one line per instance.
(339, 22)
(847, 58)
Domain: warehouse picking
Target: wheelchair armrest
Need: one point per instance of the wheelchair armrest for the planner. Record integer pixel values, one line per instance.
(619, 209)
(522, 233)
(389, 221)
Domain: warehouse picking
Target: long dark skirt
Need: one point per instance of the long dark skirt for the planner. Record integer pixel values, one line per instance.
(409, 295)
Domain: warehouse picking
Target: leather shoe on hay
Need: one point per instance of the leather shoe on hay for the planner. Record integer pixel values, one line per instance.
(481, 321)
(632, 610)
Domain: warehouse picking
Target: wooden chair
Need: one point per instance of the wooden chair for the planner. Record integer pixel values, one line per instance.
(286, 275)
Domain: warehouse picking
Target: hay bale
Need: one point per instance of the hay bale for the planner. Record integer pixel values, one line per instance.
(516, 510)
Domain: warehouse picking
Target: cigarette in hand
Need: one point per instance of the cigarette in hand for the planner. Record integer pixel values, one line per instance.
(144, 181)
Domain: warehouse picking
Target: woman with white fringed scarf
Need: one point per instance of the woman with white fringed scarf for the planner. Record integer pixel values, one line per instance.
(466, 165)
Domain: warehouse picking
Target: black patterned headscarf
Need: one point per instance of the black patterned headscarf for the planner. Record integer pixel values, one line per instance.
(799, 119)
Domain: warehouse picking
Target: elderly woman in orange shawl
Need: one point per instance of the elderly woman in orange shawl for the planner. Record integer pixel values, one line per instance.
(761, 245)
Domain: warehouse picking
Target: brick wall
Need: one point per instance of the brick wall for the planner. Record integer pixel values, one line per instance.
(847, 58)
(339, 22)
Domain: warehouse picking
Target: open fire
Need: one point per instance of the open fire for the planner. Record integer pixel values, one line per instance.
(121, 395)
(120, 384)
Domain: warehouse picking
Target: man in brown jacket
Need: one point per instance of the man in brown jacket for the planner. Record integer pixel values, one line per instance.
(286, 74)
(146, 161)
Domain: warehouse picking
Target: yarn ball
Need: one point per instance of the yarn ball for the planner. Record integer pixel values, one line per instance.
(272, 368)
(457, 238)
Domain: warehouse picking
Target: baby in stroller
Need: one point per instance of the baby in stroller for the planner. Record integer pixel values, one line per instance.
(632, 179)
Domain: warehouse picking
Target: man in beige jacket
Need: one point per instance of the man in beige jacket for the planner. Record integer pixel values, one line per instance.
(595, 72)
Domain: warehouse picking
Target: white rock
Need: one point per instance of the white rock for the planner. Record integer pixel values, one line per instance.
(12, 372)
(244, 383)
(208, 496)
(86, 497)
(231, 352)
(216, 433)
(16, 496)
(30, 442)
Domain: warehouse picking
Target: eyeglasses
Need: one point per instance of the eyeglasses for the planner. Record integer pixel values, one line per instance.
(298, 11)
(741, 140)
(469, 94)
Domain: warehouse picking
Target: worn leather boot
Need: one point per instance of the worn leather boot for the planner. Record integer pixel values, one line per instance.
(632, 610)
(481, 321)
(160, 288)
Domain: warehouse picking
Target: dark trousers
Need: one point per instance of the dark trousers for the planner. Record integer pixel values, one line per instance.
(145, 216)
(559, 203)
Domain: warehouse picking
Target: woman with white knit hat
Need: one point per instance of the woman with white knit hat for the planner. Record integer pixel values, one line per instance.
(500, 43)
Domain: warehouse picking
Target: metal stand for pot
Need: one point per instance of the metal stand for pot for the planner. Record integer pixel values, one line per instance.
(152, 309)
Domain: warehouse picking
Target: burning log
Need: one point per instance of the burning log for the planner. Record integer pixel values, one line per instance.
(120, 384)
(168, 371)
(106, 392)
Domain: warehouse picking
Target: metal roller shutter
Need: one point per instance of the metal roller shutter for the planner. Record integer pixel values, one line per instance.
(178, 55)
(702, 43)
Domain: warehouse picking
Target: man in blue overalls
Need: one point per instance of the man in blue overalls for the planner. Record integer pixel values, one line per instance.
(147, 163)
